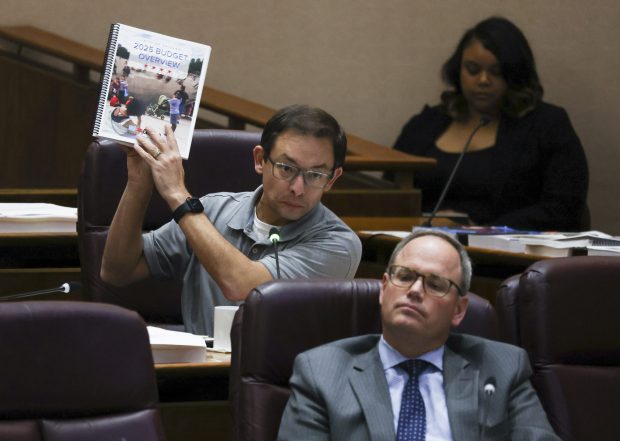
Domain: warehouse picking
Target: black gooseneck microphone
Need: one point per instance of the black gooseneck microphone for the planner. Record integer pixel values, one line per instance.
(64, 288)
(484, 120)
(274, 238)
(489, 390)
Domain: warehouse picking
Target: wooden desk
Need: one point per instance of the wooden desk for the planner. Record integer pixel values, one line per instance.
(38, 250)
(32, 261)
(206, 381)
(35, 261)
(490, 267)
(66, 197)
(194, 399)
(217, 363)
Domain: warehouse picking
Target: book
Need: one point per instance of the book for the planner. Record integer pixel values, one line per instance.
(543, 244)
(149, 80)
(458, 232)
(596, 250)
(37, 218)
(549, 244)
(462, 233)
(176, 346)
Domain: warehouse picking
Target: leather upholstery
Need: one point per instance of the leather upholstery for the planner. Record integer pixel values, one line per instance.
(75, 371)
(507, 309)
(567, 315)
(220, 160)
(283, 318)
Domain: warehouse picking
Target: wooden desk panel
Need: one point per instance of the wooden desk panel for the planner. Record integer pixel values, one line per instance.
(197, 421)
(19, 280)
(490, 267)
(194, 399)
(206, 381)
(39, 250)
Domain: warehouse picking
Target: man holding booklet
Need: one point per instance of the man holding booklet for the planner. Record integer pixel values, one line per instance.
(218, 245)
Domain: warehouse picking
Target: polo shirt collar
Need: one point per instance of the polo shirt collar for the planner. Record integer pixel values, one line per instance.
(243, 219)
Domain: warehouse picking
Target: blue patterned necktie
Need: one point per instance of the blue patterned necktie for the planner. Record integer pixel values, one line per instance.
(412, 417)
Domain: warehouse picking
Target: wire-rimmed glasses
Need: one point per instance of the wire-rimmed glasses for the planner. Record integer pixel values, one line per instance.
(434, 285)
(288, 172)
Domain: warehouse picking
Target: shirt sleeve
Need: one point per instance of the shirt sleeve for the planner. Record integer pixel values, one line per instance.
(166, 251)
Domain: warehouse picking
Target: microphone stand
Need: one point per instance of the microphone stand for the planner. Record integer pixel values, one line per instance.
(489, 391)
(274, 237)
(64, 288)
(484, 120)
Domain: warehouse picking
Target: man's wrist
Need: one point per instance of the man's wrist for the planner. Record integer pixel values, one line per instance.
(175, 198)
(138, 191)
(190, 205)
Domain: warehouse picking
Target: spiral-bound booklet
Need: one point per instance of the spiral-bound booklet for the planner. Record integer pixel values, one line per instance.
(150, 80)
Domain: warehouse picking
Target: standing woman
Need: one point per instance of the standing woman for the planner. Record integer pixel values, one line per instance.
(526, 168)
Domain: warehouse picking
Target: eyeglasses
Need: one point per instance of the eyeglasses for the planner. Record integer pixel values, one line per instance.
(287, 172)
(435, 286)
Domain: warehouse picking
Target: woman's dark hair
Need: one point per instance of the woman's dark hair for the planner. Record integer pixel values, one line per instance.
(306, 120)
(508, 44)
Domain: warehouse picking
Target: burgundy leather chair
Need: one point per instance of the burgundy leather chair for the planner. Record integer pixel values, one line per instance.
(283, 318)
(565, 315)
(220, 160)
(507, 308)
(75, 371)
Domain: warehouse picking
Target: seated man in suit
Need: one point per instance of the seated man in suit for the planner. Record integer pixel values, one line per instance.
(416, 381)
(218, 245)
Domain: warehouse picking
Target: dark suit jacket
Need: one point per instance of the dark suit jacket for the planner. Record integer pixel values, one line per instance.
(534, 178)
(339, 392)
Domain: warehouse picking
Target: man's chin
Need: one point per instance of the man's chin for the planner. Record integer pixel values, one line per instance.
(407, 322)
(292, 214)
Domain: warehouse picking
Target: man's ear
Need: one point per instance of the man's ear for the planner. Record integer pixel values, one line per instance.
(384, 283)
(259, 158)
(459, 310)
(336, 175)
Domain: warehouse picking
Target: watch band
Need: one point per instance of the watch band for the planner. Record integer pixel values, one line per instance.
(191, 205)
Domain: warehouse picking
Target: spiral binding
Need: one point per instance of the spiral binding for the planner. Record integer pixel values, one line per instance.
(110, 54)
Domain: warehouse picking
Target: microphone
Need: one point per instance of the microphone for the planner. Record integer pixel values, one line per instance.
(274, 238)
(484, 120)
(489, 387)
(489, 391)
(64, 288)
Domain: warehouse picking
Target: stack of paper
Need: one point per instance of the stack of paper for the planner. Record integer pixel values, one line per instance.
(592, 243)
(37, 218)
(176, 347)
(543, 244)
(605, 247)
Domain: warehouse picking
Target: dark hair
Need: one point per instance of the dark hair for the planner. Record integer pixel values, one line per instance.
(306, 120)
(466, 270)
(508, 44)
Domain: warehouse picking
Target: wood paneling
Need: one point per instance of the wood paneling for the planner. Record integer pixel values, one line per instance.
(46, 128)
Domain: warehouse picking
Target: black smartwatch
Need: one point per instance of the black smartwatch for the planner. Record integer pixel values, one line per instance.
(191, 205)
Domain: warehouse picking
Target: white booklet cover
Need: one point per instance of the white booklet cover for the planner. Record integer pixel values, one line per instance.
(150, 80)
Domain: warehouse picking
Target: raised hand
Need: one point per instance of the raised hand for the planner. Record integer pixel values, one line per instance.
(161, 154)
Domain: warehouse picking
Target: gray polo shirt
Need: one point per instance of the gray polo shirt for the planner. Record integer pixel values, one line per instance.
(317, 245)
